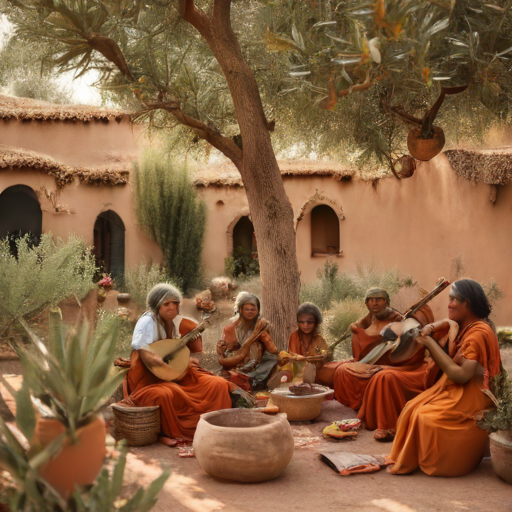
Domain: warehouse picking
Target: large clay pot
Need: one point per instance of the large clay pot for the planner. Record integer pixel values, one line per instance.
(299, 408)
(77, 463)
(501, 454)
(243, 444)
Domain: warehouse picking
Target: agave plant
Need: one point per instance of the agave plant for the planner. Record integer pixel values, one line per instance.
(31, 493)
(72, 376)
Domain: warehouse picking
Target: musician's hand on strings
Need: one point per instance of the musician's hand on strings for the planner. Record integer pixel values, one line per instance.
(424, 340)
(427, 330)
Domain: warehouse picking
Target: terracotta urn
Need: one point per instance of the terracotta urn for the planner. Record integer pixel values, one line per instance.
(501, 454)
(243, 444)
(77, 463)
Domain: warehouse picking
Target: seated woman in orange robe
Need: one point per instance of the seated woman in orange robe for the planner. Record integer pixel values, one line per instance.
(437, 430)
(306, 349)
(182, 402)
(379, 391)
(246, 351)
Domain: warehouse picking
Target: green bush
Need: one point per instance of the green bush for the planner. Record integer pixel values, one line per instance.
(172, 215)
(332, 286)
(107, 322)
(139, 280)
(243, 264)
(42, 275)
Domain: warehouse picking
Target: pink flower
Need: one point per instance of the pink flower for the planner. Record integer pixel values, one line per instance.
(106, 281)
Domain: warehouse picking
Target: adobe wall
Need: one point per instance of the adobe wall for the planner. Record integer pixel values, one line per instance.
(86, 203)
(74, 143)
(418, 225)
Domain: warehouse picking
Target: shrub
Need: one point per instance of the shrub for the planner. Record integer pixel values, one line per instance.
(499, 418)
(110, 320)
(139, 280)
(332, 287)
(43, 275)
(172, 215)
(243, 264)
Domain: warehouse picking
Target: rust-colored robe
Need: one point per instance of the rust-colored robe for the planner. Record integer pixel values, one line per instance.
(181, 403)
(263, 352)
(437, 430)
(380, 391)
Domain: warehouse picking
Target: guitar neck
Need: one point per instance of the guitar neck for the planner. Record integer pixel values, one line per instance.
(191, 335)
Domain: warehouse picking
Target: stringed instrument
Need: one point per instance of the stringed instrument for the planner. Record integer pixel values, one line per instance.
(169, 359)
(402, 345)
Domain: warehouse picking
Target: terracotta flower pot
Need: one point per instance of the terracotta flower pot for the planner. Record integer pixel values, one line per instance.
(425, 149)
(243, 445)
(77, 463)
(501, 454)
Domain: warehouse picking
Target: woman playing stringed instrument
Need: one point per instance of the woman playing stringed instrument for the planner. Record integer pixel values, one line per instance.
(195, 392)
(246, 351)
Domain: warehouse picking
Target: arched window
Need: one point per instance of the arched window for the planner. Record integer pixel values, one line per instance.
(325, 230)
(243, 235)
(20, 213)
(109, 243)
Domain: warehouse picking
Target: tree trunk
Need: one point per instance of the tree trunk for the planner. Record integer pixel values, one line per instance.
(271, 210)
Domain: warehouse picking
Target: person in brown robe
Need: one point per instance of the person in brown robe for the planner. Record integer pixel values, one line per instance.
(379, 391)
(181, 402)
(437, 431)
(246, 351)
(306, 349)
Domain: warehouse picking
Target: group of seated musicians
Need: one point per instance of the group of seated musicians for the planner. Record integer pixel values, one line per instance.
(428, 402)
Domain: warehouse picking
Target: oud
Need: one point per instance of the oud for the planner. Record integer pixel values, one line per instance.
(169, 359)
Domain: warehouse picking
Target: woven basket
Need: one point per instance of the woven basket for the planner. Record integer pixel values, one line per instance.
(138, 425)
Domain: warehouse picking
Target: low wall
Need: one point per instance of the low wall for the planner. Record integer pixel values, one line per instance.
(419, 225)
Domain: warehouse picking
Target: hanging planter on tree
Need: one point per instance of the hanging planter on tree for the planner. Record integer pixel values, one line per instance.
(427, 141)
(404, 166)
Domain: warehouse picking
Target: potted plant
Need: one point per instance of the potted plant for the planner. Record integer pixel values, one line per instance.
(499, 422)
(30, 492)
(68, 381)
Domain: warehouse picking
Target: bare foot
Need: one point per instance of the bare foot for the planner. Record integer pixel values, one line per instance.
(168, 441)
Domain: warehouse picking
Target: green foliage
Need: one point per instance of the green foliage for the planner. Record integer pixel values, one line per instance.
(243, 264)
(357, 59)
(70, 378)
(171, 213)
(43, 275)
(333, 286)
(140, 279)
(500, 418)
(110, 320)
(24, 72)
(30, 493)
(72, 375)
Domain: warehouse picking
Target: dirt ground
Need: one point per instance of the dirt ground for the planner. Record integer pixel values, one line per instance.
(310, 485)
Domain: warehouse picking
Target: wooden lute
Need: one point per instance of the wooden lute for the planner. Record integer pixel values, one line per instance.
(169, 359)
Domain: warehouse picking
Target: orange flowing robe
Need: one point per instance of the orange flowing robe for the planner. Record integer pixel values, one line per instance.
(181, 403)
(352, 379)
(437, 430)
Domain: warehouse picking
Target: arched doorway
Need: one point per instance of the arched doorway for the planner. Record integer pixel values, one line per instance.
(325, 230)
(245, 251)
(243, 235)
(20, 214)
(109, 243)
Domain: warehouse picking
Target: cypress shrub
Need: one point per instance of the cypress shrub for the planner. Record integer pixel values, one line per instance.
(171, 213)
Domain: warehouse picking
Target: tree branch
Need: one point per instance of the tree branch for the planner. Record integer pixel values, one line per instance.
(224, 144)
(196, 17)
